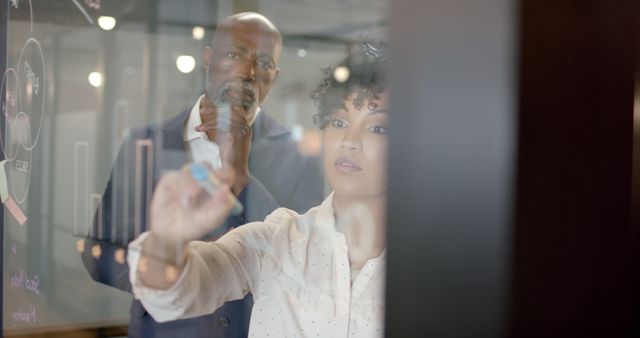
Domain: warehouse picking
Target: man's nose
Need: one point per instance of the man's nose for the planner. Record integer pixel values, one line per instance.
(249, 71)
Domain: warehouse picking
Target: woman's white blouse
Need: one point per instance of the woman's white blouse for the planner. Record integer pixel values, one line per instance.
(296, 267)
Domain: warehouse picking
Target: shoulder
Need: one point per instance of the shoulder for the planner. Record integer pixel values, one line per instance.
(172, 126)
(266, 126)
(282, 216)
(281, 219)
(272, 138)
(284, 219)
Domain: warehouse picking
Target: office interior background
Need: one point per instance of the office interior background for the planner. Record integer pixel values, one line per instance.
(514, 168)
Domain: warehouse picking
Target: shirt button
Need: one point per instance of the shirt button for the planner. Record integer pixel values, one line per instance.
(224, 322)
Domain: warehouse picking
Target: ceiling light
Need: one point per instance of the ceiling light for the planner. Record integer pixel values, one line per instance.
(185, 63)
(341, 74)
(95, 79)
(197, 33)
(107, 22)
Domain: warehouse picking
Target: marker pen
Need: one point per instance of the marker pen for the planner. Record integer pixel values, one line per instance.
(210, 183)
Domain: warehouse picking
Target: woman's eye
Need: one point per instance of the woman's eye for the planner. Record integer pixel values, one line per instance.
(338, 123)
(378, 129)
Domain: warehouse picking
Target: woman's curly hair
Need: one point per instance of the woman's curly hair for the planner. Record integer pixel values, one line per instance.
(366, 78)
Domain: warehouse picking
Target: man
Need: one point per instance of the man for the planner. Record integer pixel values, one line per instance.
(225, 127)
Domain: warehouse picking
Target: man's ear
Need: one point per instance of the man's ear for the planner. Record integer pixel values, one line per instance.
(206, 57)
(277, 72)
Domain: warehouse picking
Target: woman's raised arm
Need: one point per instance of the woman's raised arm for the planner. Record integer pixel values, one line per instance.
(181, 211)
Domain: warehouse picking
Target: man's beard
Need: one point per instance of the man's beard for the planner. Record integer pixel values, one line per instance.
(248, 95)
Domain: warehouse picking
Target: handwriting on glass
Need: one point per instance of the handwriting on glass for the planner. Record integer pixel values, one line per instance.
(22, 166)
(26, 316)
(35, 81)
(95, 4)
(11, 100)
(21, 280)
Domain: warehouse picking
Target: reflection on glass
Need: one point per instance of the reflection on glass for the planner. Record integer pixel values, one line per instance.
(101, 99)
(322, 272)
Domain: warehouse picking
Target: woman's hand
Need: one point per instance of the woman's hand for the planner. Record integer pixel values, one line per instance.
(182, 211)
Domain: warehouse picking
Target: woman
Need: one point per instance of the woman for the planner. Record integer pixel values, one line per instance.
(320, 274)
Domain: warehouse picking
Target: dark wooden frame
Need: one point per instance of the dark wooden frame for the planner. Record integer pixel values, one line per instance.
(4, 15)
(573, 243)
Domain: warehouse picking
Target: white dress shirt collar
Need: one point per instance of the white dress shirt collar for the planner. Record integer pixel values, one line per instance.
(193, 121)
(200, 148)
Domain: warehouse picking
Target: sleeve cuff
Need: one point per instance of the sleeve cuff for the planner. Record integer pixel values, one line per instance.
(140, 290)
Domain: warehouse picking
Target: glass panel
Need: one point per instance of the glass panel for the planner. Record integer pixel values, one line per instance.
(102, 98)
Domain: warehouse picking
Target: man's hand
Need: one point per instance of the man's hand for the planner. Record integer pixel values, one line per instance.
(230, 129)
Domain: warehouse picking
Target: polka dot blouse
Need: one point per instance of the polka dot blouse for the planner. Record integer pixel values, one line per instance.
(296, 267)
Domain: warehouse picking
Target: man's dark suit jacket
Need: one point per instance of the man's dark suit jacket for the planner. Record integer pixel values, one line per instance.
(280, 177)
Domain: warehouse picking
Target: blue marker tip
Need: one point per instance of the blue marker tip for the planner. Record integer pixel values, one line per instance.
(201, 174)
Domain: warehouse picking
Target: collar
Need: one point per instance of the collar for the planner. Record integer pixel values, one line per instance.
(193, 121)
(325, 216)
(258, 110)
